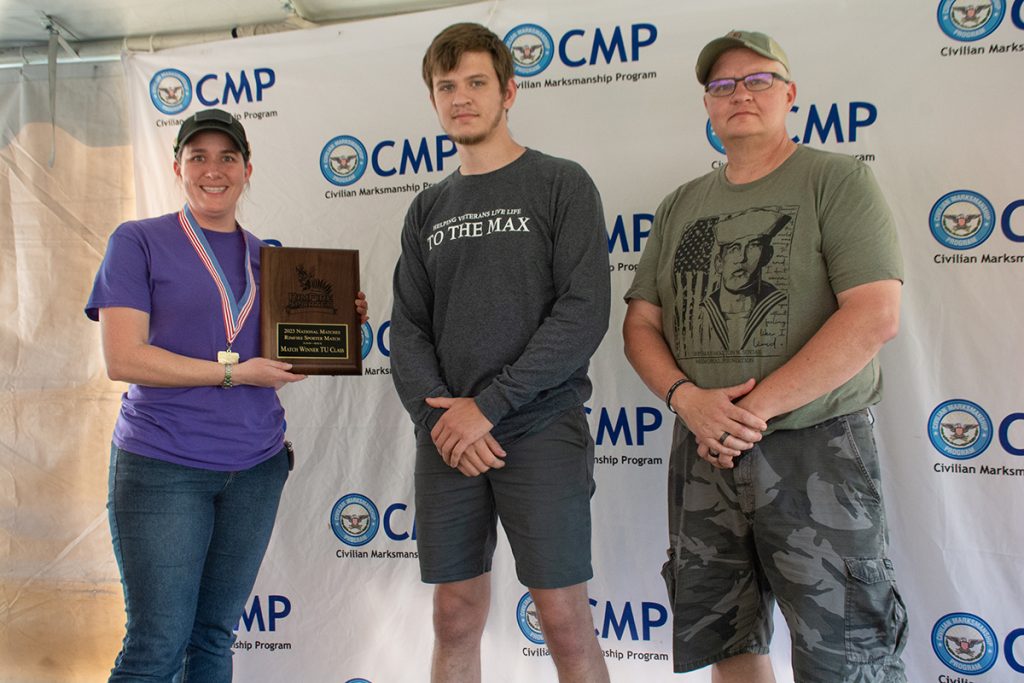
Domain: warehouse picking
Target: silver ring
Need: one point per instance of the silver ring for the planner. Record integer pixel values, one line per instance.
(723, 437)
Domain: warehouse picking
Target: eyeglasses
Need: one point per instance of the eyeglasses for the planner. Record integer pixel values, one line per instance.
(723, 87)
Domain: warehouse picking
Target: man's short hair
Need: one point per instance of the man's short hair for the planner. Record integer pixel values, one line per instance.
(449, 45)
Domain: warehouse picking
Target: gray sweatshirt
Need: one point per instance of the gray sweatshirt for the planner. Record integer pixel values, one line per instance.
(502, 293)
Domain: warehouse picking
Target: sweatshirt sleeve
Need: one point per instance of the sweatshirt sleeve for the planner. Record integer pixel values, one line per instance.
(578, 320)
(414, 365)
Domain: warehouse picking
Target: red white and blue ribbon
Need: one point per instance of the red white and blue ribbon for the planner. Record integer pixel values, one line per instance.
(235, 313)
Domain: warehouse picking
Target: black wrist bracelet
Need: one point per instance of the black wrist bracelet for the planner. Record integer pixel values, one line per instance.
(672, 390)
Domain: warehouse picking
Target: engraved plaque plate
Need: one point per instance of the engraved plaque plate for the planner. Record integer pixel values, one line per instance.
(307, 314)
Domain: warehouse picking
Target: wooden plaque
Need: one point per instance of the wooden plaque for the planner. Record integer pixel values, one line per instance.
(307, 312)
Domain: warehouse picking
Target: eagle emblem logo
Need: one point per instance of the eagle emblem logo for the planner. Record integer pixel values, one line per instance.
(170, 91)
(961, 224)
(344, 164)
(356, 523)
(965, 649)
(960, 429)
(532, 49)
(965, 643)
(959, 434)
(529, 620)
(354, 519)
(343, 160)
(969, 20)
(970, 17)
(527, 54)
(962, 219)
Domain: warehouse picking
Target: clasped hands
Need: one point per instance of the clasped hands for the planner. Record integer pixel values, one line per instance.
(463, 436)
(717, 418)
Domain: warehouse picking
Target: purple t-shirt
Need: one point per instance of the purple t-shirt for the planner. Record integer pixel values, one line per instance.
(151, 266)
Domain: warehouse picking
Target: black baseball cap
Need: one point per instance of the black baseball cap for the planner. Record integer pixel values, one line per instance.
(213, 119)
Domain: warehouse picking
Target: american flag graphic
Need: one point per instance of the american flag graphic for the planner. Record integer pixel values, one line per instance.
(691, 282)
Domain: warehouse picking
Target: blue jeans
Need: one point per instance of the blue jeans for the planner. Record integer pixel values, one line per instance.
(189, 543)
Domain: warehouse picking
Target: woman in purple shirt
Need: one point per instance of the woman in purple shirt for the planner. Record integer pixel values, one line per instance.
(198, 458)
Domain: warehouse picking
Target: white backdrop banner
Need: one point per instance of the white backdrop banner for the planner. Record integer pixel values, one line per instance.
(344, 136)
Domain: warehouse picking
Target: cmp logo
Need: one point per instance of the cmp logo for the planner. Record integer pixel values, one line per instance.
(343, 160)
(960, 429)
(529, 622)
(532, 49)
(965, 643)
(962, 219)
(355, 520)
(970, 20)
(822, 122)
(366, 337)
(171, 91)
(264, 613)
(382, 337)
(713, 138)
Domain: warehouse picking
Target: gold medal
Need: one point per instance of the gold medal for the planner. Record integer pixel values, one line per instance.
(227, 357)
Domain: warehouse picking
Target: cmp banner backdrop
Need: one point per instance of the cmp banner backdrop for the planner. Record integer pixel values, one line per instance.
(344, 136)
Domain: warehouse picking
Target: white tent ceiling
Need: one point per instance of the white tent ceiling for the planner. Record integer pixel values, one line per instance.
(100, 28)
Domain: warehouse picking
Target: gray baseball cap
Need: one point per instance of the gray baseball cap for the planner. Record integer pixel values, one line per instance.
(760, 43)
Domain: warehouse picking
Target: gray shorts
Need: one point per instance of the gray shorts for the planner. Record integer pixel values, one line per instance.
(542, 497)
(800, 520)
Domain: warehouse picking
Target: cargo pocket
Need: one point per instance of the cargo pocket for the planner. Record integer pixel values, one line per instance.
(668, 573)
(876, 618)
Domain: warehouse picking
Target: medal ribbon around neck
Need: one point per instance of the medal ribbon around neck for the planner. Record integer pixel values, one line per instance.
(235, 313)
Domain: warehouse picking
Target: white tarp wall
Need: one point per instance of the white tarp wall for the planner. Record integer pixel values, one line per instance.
(619, 96)
(904, 86)
(61, 607)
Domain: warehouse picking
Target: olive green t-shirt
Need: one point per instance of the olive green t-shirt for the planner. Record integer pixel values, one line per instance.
(746, 274)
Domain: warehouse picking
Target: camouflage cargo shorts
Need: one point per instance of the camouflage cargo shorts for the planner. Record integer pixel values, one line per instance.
(800, 519)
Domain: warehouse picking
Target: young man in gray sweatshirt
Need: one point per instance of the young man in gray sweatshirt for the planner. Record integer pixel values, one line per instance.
(501, 296)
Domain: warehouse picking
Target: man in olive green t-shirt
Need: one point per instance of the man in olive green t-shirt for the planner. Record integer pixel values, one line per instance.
(763, 296)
